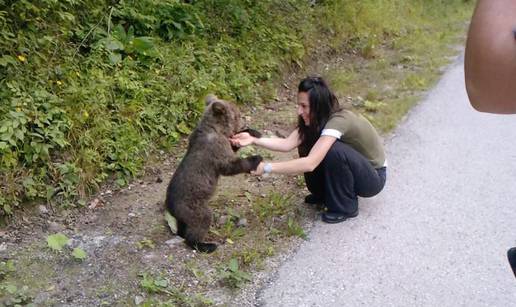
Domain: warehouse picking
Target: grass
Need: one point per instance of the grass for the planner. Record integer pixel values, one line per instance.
(384, 84)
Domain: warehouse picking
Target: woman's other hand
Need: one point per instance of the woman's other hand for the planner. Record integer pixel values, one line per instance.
(259, 169)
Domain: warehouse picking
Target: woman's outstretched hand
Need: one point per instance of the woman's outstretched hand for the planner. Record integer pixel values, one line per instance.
(242, 139)
(259, 169)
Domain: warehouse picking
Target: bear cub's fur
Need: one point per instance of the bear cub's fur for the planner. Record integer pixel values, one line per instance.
(208, 156)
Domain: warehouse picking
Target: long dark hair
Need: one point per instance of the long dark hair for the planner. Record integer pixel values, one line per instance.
(323, 103)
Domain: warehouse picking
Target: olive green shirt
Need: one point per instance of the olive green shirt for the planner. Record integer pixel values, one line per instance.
(356, 131)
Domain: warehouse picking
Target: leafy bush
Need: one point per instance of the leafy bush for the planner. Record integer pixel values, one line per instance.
(90, 88)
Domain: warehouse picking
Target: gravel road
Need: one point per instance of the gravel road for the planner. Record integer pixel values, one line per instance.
(438, 233)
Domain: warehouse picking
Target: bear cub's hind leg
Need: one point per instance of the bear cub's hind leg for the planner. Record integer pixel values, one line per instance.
(194, 234)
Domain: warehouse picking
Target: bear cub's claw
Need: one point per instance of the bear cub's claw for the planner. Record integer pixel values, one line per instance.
(254, 161)
(202, 247)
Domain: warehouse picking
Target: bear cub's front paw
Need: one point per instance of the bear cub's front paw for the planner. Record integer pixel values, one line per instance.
(254, 161)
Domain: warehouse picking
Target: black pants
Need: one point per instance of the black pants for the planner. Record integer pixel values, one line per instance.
(343, 175)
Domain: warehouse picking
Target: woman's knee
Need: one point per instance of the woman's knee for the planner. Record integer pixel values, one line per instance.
(337, 153)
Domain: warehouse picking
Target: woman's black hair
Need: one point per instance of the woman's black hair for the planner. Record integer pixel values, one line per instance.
(323, 103)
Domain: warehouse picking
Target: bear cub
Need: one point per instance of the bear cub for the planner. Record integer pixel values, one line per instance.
(208, 156)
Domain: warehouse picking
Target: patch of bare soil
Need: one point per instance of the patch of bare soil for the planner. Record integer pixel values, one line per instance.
(134, 259)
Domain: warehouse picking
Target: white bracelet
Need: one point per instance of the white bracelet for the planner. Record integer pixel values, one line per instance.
(267, 168)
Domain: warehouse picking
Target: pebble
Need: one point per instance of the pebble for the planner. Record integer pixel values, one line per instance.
(242, 222)
(95, 203)
(174, 241)
(55, 227)
(138, 300)
(223, 219)
(43, 209)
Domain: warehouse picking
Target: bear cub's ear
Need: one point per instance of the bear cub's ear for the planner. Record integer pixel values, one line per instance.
(218, 108)
(210, 99)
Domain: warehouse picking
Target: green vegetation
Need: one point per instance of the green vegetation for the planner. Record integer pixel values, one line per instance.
(232, 275)
(10, 294)
(90, 89)
(171, 296)
(382, 76)
(57, 241)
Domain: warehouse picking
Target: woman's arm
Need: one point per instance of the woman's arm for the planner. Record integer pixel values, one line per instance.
(302, 165)
(275, 144)
(490, 59)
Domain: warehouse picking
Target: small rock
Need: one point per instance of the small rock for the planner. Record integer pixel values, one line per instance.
(223, 219)
(138, 300)
(3, 247)
(43, 209)
(242, 222)
(174, 241)
(95, 203)
(132, 214)
(55, 227)
(150, 256)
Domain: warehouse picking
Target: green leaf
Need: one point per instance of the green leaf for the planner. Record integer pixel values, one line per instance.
(10, 265)
(11, 289)
(115, 58)
(113, 44)
(119, 32)
(233, 265)
(171, 221)
(161, 283)
(183, 128)
(7, 59)
(79, 253)
(57, 241)
(19, 135)
(142, 43)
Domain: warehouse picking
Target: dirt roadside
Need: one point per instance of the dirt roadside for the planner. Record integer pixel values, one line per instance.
(128, 243)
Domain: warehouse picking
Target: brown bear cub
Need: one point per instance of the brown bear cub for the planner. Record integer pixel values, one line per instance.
(208, 156)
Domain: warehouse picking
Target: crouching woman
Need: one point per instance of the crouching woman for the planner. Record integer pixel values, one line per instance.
(340, 152)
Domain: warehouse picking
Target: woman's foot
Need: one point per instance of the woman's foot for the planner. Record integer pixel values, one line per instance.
(337, 217)
(313, 200)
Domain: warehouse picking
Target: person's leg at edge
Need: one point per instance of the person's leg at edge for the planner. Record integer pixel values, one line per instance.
(511, 254)
(348, 174)
(314, 182)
